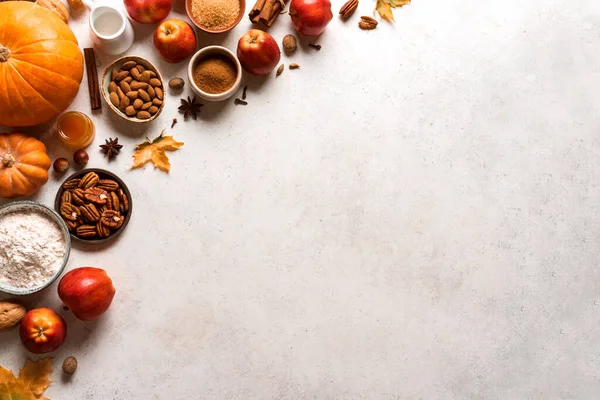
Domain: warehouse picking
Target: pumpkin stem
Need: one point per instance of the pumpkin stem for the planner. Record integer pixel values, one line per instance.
(4, 54)
(8, 160)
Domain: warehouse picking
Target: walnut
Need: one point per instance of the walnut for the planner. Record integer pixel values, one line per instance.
(96, 195)
(10, 314)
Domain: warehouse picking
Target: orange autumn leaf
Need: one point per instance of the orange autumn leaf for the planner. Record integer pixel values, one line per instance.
(385, 10)
(33, 380)
(35, 374)
(155, 151)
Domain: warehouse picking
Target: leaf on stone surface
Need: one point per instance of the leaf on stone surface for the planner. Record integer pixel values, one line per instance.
(33, 380)
(155, 151)
(35, 374)
(385, 10)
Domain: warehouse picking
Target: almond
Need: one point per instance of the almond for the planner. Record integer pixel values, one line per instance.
(135, 73)
(159, 93)
(138, 85)
(128, 65)
(146, 106)
(132, 95)
(121, 75)
(151, 92)
(145, 77)
(157, 102)
(143, 115)
(130, 111)
(124, 103)
(124, 87)
(138, 103)
(152, 110)
(112, 87)
(144, 95)
(155, 82)
(114, 99)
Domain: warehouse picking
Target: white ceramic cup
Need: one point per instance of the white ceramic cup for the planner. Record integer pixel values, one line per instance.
(110, 29)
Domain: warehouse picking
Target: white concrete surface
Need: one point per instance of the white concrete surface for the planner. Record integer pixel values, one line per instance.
(414, 214)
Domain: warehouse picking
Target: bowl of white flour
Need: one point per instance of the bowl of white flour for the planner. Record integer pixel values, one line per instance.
(34, 247)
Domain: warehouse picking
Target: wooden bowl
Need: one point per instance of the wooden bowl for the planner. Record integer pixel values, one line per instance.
(188, 9)
(106, 81)
(103, 174)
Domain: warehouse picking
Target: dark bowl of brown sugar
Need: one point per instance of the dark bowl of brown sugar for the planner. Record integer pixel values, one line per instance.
(215, 16)
(215, 73)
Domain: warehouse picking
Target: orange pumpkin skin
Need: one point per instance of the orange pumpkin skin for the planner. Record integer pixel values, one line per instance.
(41, 65)
(24, 165)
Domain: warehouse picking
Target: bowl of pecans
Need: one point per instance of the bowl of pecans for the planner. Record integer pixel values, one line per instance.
(134, 89)
(95, 204)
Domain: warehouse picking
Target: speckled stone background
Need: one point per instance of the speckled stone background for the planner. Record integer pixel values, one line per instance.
(411, 215)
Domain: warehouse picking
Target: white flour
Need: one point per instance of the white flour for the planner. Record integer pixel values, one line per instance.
(32, 248)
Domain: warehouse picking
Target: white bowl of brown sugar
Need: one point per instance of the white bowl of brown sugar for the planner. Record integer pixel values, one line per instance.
(215, 73)
(215, 16)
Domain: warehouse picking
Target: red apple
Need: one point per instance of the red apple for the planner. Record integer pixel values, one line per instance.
(42, 331)
(87, 291)
(310, 17)
(258, 52)
(175, 40)
(148, 11)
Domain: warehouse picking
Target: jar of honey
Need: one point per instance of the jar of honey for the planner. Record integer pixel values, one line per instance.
(75, 129)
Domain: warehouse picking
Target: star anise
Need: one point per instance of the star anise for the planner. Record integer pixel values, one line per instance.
(189, 107)
(111, 148)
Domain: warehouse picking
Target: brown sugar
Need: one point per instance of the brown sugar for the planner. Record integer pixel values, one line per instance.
(215, 74)
(215, 14)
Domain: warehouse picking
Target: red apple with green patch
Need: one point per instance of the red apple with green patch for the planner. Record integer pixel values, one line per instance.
(258, 52)
(148, 11)
(87, 291)
(175, 40)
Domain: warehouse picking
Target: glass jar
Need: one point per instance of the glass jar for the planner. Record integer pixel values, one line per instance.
(75, 129)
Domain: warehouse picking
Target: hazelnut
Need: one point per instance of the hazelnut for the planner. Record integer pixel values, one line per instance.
(69, 366)
(61, 165)
(289, 43)
(81, 157)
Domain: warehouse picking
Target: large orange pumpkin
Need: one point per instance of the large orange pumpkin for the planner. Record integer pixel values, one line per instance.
(41, 65)
(24, 165)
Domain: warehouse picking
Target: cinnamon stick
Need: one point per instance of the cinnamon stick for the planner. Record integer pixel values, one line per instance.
(92, 78)
(266, 11)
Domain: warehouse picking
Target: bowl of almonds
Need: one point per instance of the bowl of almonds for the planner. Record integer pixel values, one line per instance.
(95, 204)
(134, 89)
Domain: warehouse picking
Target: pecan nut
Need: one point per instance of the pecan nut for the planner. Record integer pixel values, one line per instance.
(102, 230)
(367, 23)
(107, 184)
(86, 231)
(90, 213)
(348, 9)
(72, 184)
(113, 219)
(114, 201)
(72, 225)
(66, 197)
(69, 212)
(124, 201)
(89, 180)
(78, 197)
(96, 195)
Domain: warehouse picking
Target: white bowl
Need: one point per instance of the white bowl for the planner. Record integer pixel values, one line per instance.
(53, 215)
(214, 50)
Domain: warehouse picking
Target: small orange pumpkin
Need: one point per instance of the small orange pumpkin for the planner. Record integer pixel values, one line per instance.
(41, 65)
(24, 165)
